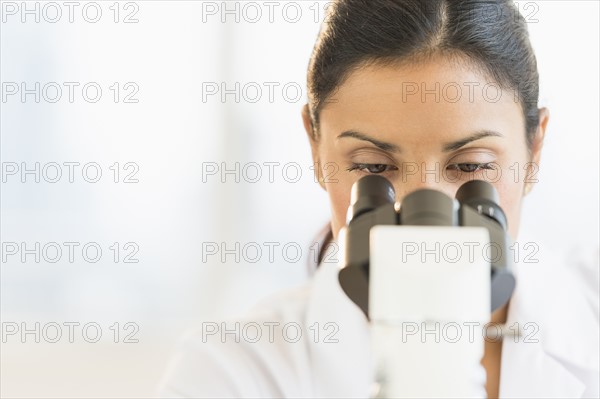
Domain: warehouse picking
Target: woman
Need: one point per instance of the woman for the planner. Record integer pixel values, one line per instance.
(428, 94)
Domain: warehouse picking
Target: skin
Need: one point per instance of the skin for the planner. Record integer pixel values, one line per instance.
(375, 101)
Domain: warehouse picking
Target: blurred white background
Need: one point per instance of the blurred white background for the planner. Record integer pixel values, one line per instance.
(165, 55)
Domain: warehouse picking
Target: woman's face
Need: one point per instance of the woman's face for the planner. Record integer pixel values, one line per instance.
(435, 125)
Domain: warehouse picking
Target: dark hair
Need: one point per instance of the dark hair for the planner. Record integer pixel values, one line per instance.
(492, 35)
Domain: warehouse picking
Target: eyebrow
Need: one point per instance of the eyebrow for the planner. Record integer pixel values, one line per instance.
(378, 143)
(455, 145)
(389, 147)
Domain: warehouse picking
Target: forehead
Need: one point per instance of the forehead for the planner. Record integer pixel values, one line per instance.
(440, 96)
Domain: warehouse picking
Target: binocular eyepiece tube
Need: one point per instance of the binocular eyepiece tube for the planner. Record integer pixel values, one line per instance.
(476, 204)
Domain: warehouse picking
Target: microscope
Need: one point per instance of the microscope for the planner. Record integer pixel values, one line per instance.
(427, 273)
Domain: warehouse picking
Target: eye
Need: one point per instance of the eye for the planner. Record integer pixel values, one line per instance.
(373, 168)
(471, 167)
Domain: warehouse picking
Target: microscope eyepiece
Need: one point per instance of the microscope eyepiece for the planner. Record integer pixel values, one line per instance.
(370, 192)
(483, 198)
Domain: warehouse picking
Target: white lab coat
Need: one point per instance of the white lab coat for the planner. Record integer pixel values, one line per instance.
(560, 297)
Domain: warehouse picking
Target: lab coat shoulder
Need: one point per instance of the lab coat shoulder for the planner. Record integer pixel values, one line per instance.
(314, 343)
(556, 307)
(263, 354)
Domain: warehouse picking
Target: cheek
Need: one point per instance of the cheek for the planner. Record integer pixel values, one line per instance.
(339, 196)
(510, 201)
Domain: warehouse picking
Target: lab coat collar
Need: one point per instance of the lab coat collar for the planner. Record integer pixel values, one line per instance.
(529, 367)
(557, 325)
(341, 355)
